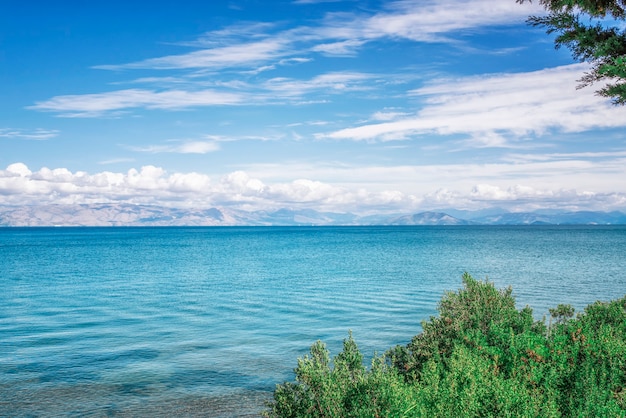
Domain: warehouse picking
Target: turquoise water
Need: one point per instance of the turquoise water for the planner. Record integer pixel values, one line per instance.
(205, 321)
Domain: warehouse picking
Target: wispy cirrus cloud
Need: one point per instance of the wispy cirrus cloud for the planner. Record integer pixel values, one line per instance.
(439, 21)
(335, 82)
(245, 45)
(317, 1)
(28, 134)
(206, 144)
(258, 48)
(240, 55)
(116, 161)
(99, 104)
(524, 158)
(181, 147)
(420, 21)
(341, 48)
(226, 93)
(496, 109)
(255, 43)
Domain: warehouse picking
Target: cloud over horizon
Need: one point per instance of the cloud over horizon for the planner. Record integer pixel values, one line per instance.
(152, 185)
(346, 106)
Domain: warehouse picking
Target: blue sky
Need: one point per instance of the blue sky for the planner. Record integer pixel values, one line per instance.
(347, 106)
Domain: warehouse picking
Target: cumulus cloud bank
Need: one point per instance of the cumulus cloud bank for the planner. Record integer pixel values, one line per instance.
(152, 185)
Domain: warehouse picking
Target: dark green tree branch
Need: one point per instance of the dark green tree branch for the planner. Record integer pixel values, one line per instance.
(592, 31)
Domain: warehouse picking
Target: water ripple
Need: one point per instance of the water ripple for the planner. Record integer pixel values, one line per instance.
(204, 321)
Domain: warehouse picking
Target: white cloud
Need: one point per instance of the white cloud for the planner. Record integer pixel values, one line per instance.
(90, 105)
(153, 185)
(520, 198)
(339, 34)
(31, 134)
(181, 147)
(493, 107)
(238, 55)
(388, 115)
(255, 49)
(317, 1)
(426, 20)
(198, 147)
(596, 175)
(18, 169)
(525, 158)
(271, 91)
(341, 48)
(232, 34)
(421, 20)
(329, 83)
(116, 161)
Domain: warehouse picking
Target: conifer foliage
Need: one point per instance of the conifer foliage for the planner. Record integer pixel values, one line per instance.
(595, 32)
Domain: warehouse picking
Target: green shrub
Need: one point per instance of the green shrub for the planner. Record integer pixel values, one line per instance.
(344, 388)
(481, 357)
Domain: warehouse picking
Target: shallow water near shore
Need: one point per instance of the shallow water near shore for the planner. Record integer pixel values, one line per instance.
(205, 321)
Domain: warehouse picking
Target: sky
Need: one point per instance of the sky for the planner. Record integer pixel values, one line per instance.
(343, 106)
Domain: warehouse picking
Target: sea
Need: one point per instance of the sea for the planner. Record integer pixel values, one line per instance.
(205, 321)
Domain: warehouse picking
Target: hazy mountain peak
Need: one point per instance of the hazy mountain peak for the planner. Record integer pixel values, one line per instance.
(112, 214)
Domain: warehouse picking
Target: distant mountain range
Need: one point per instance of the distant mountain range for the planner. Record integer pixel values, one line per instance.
(144, 215)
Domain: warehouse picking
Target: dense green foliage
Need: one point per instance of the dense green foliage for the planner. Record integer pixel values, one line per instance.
(481, 357)
(594, 31)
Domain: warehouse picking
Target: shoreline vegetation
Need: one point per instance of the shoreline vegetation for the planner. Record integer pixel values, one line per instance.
(481, 357)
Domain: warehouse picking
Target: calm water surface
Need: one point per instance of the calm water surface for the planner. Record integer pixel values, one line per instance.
(205, 321)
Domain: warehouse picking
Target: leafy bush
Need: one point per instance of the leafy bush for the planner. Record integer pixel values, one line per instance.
(345, 390)
(481, 357)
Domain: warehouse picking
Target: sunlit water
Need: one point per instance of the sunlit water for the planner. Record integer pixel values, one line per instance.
(205, 321)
